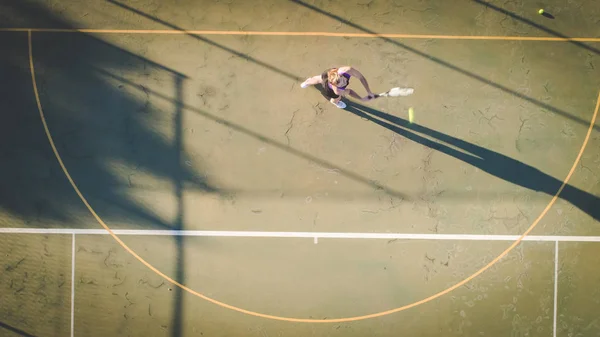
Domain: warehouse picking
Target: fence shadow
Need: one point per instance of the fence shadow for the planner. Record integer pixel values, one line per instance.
(116, 144)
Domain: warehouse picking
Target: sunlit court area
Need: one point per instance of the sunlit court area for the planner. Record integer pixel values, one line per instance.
(166, 170)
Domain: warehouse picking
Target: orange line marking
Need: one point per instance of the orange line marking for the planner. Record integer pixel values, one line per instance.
(324, 34)
(291, 319)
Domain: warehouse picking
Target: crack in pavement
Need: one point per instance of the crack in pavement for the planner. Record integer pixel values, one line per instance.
(290, 126)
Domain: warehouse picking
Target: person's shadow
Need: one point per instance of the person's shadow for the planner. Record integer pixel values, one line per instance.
(489, 161)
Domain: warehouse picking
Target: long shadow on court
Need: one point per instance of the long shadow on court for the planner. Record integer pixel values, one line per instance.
(241, 128)
(537, 25)
(205, 40)
(114, 143)
(121, 148)
(349, 174)
(14, 330)
(454, 67)
(489, 161)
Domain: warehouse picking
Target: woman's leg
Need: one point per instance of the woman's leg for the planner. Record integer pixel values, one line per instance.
(311, 81)
(354, 94)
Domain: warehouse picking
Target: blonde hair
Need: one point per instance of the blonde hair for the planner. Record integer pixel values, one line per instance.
(333, 76)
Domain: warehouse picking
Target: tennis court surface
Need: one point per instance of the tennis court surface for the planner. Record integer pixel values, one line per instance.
(163, 173)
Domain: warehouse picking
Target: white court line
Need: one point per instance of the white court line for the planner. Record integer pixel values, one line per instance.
(320, 235)
(555, 285)
(73, 285)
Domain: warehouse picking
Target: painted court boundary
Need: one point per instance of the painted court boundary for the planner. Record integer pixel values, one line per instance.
(275, 317)
(299, 235)
(313, 34)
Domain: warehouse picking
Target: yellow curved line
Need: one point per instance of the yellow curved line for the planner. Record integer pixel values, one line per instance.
(323, 34)
(291, 319)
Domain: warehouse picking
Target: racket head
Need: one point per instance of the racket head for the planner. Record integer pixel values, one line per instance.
(395, 92)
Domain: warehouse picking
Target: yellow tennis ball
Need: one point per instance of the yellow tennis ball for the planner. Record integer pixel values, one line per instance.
(541, 11)
(411, 114)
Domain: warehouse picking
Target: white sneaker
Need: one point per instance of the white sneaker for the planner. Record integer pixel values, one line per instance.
(339, 104)
(304, 85)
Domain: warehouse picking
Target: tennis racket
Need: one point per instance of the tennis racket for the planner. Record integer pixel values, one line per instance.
(396, 92)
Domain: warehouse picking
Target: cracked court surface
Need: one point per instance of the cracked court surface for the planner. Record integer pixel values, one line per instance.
(212, 132)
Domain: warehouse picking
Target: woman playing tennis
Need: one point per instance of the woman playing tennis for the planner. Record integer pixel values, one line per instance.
(335, 82)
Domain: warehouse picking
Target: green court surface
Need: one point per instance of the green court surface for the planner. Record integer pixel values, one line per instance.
(244, 205)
